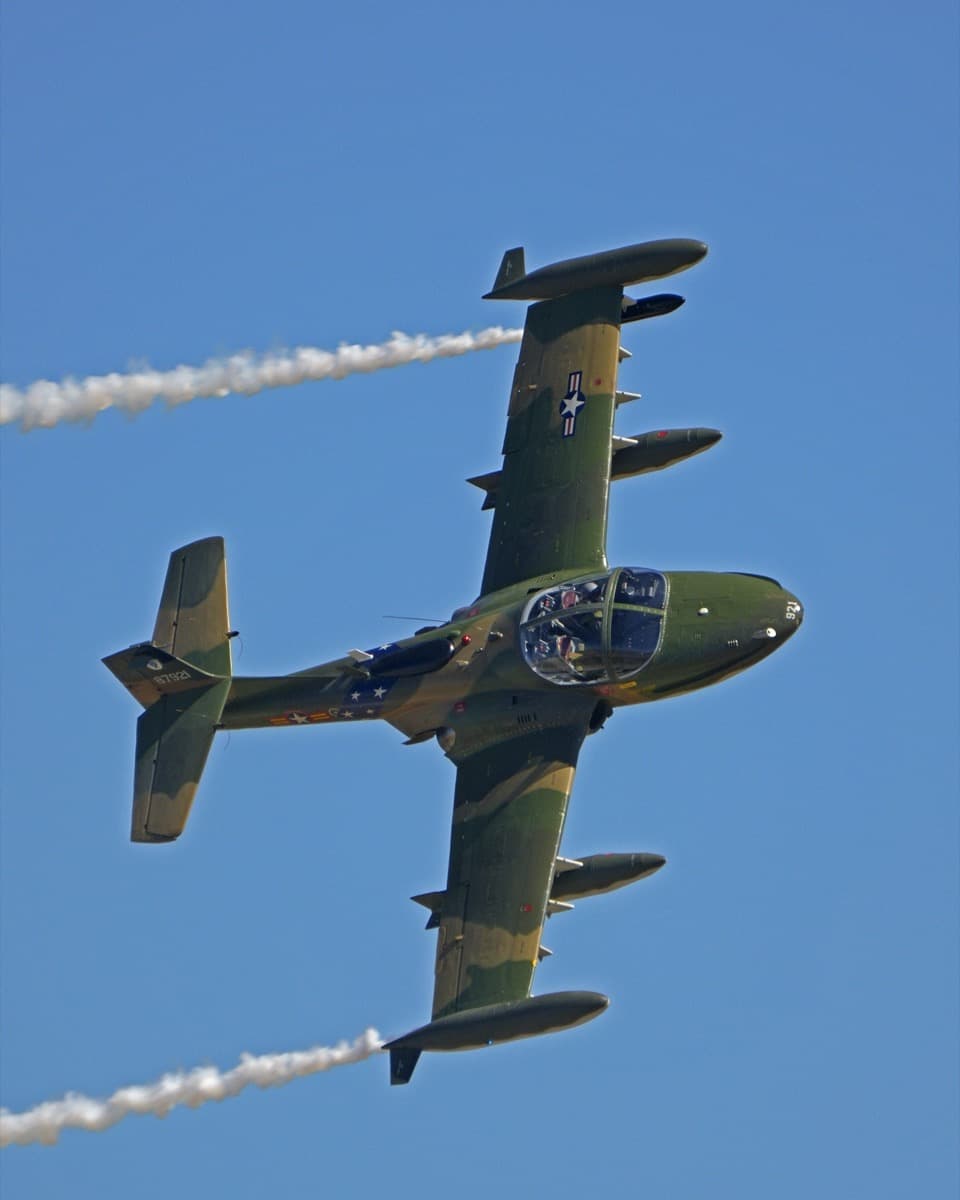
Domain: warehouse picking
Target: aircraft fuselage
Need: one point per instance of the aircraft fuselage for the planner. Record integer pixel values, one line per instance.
(529, 653)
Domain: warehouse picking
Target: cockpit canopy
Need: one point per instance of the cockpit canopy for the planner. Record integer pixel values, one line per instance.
(602, 629)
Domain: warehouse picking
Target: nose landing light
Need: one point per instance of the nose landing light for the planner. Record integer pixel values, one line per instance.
(779, 624)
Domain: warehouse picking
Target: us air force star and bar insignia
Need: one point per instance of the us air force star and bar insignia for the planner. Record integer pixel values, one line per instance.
(571, 404)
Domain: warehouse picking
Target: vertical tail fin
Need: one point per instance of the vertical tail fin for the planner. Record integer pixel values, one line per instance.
(193, 622)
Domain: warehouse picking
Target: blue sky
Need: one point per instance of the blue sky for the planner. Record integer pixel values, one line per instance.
(194, 179)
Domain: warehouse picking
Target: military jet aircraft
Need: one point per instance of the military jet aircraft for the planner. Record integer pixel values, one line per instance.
(514, 682)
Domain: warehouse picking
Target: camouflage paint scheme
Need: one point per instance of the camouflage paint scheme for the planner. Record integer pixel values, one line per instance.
(511, 723)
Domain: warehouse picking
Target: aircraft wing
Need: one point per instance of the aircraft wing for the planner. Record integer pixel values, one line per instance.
(551, 504)
(508, 813)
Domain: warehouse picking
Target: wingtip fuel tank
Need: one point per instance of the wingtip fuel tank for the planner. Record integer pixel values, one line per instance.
(492, 1023)
(622, 267)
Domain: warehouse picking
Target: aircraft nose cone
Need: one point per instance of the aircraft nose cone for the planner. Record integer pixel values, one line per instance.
(782, 616)
(792, 617)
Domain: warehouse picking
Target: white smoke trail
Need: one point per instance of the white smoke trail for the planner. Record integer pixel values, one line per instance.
(193, 1088)
(44, 404)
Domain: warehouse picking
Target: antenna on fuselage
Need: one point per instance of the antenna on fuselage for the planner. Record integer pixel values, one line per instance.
(393, 617)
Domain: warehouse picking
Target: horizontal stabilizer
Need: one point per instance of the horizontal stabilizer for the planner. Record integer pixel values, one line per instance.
(149, 673)
(174, 737)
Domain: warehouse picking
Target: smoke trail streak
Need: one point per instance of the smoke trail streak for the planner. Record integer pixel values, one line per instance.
(44, 404)
(193, 1088)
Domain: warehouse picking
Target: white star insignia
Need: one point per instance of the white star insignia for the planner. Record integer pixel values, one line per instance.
(297, 718)
(380, 692)
(571, 406)
(348, 713)
(354, 696)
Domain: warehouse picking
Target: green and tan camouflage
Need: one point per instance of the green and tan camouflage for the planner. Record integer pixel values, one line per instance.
(513, 683)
